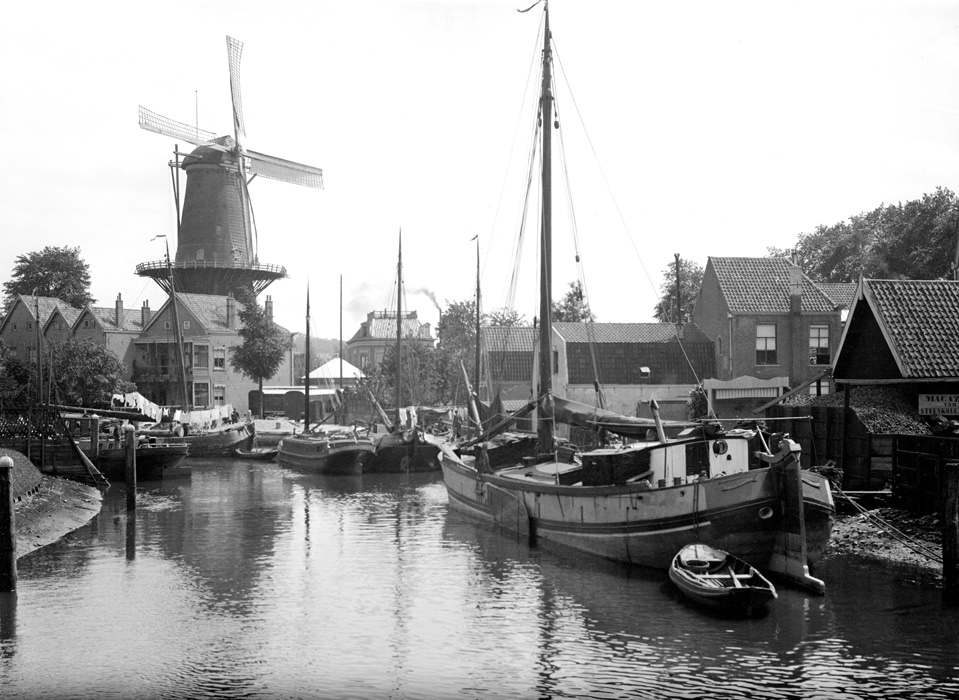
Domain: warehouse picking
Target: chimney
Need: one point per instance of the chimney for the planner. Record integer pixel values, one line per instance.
(795, 289)
(230, 311)
(268, 307)
(145, 314)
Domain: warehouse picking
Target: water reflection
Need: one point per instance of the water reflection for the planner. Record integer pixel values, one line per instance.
(257, 581)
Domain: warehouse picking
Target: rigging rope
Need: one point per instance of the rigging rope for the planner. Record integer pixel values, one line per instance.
(901, 537)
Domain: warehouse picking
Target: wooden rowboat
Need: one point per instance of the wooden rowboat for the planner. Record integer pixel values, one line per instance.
(263, 453)
(719, 580)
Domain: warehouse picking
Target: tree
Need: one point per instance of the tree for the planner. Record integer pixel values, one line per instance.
(690, 278)
(456, 348)
(51, 272)
(573, 306)
(504, 317)
(263, 348)
(15, 378)
(915, 240)
(84, 373)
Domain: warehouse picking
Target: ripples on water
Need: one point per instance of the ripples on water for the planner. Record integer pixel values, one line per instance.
(252, 581)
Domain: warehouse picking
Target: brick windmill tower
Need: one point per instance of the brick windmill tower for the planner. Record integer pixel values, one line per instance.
(215, 252)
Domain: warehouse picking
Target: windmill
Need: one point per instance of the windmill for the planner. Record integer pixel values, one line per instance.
(215, 252)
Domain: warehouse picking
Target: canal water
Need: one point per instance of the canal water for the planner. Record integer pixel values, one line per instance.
(248, 580)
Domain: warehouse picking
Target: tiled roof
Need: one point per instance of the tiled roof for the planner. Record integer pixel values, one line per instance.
(210, 310)
(841, 293)
(70, 315)
(921, 317)
(46, 305)
(627, 332)
(107, 317)
(386, 328)
(509, 338)
(761, 285)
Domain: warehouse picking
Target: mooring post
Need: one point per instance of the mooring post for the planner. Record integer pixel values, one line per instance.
(131, 465)
(8, 528)
(950, 533)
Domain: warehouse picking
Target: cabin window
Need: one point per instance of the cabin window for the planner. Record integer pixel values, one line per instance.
(766, 344)
(201, 356)
(201, 394)
(819, 344)
(219, 394)
(697, 458)
(219, 358)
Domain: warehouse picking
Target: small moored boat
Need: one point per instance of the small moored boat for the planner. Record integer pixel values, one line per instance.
(717, 579)
(258, 453)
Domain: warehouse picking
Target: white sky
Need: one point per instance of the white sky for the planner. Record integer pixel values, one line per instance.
(721, 128)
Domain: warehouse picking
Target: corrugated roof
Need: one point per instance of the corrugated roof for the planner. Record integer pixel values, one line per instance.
(761, 285)
(921, 319)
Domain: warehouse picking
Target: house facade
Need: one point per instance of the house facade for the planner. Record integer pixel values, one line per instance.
(21, 329)
(210, 326)
(114, 328)
(368, 346)
(774, 330)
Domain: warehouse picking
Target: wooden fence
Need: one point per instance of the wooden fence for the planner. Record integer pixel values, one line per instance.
(910, 466)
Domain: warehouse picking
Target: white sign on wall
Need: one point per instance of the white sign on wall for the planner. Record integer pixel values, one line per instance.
(939, 404)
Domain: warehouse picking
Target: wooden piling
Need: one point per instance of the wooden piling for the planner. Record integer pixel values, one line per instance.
(131, 467)
(8, 528)
(950, 533)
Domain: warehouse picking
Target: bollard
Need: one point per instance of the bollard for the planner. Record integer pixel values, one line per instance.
(950, 533)
(8, 528)
(131, 464)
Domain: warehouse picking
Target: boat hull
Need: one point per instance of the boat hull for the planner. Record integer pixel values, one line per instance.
(632, 523)
(324, 455)
(222, 442)
(720, 581)
(404, 452)
(153, 462)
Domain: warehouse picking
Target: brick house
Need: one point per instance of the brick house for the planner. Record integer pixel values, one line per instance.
(21, 327)
(114, 328)
(210, 327)
(774, 330)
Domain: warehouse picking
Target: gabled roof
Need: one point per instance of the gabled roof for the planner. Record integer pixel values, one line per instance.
(761, 285)
(69, 314)
(917, 319)
(841, 293)
(46, 306)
